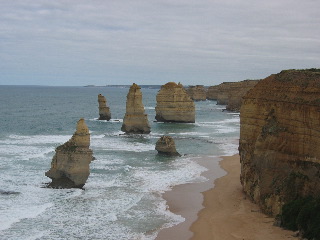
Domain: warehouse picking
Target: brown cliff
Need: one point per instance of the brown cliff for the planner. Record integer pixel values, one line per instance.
(166, 146)
(230, 93)
(174, 104)
(280, 138)
(135, 120)
(197, 93)
(104, 110)
(237, 92)
(70, 164)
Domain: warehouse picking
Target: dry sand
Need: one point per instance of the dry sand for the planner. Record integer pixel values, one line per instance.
(227, 214)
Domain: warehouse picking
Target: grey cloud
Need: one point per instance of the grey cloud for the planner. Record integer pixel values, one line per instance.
(195, 42)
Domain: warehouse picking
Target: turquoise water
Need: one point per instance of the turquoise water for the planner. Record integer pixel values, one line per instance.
(122, 197)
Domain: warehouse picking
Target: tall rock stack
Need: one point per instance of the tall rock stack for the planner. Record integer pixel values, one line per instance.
(174, 104)
(70, 164)
(104, 111)
(280, 139)
(135, 119)
(197, 93)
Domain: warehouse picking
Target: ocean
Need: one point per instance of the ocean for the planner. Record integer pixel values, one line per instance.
(122, 198)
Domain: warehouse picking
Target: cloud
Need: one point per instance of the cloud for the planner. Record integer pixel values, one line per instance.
(152, 42)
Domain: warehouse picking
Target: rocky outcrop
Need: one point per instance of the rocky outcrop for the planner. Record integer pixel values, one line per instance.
(174, 104)
(104, 111)
(280, 139)
(166, 146)
(197, 93)
(230, 93)
(212, 92)
(135, 120)
(70, 164)
(237, 92)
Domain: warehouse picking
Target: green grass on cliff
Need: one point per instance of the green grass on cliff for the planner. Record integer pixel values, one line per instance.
(302, 214)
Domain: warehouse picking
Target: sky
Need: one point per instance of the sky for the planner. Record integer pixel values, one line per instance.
(206, 42)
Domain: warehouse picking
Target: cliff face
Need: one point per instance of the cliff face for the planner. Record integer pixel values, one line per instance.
(166, 145)
(230, 93)
(70, 164)
(104, 111)
(174, 104)
(237, 92)
(280, 138)
(197, 93)
(135, 120)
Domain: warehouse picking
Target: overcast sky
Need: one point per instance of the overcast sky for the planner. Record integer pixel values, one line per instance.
(82, 42)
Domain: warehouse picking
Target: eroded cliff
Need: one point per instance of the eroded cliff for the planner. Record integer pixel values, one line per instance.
(197, 93)
(280, 138)
(230, 93)
(104, 110)
(174, 104)
(70, 164)
(135, 120)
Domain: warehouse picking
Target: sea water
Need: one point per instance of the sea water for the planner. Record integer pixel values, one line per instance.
(122, 198)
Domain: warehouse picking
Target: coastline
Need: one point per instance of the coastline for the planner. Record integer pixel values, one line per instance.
(186, 200)
(218, 208)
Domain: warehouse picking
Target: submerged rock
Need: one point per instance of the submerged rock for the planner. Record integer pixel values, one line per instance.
(104, 111)
(166, 145)
(280, 138)
(70, 164)
(174, 104)
(135, 120)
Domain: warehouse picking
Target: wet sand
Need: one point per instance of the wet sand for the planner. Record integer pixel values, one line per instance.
(218, 211)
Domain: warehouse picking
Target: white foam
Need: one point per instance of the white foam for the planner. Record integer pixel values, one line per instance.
(16, 214)
(182, 171)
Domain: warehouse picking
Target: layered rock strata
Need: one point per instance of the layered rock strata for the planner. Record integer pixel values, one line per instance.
(104, 110)
(135, 120)
(280, 139)
(70, 164)
(174, 104)
(197, 93)
(237, 92)
(230, 93)
(166, 146)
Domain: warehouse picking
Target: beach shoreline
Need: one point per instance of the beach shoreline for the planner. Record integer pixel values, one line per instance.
(218, 208)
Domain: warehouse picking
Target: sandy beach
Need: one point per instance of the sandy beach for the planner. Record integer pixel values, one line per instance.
(219, 210)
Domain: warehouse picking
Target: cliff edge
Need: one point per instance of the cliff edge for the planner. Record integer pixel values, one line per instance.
(280, 138)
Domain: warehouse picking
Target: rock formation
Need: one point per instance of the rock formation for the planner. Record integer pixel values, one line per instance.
(174, 104)
(197, 93)
(230, 93)
(280, 139)
(70, 164)
(135, 120)
(236, 93)
(166, 146)
(104, 111)
(212, 92)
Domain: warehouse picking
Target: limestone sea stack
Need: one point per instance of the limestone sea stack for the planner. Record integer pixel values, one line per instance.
(280, 139)
(166, 146)
(135, 120)
(197, 93)
(104, 110)
(174, 104)
(70, 164)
